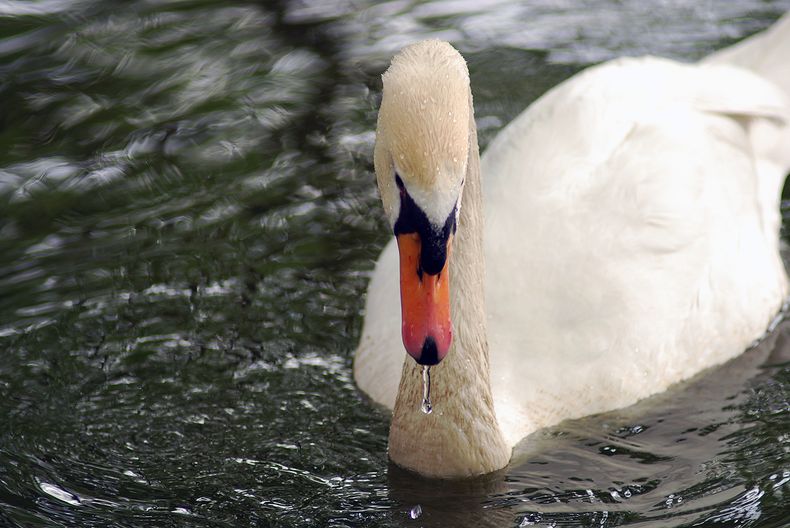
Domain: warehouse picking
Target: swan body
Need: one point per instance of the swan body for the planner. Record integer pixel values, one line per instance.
(630, 225)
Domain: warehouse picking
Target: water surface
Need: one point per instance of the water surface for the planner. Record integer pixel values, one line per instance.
(188, 220)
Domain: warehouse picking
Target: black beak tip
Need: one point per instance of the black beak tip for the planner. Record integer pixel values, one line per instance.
(429, 355)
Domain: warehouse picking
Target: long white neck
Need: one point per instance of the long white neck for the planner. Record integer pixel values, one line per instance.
(461, 437)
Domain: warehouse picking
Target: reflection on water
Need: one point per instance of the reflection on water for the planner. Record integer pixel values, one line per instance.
(187, 223)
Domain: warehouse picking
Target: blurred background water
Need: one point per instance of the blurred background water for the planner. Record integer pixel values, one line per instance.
(188, 219)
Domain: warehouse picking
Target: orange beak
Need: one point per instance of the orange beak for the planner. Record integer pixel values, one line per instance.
(425, 303)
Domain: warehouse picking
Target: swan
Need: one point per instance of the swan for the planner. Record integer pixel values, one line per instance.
(619, 236)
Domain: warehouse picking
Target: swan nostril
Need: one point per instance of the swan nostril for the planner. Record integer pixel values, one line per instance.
(429, 355)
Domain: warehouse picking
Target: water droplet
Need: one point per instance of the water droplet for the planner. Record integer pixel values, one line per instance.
(427, 408)
(415, 512)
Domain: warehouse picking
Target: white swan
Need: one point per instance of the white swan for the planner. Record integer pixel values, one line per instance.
(630, 241)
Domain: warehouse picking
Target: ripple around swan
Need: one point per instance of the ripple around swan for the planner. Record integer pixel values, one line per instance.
(187, 224)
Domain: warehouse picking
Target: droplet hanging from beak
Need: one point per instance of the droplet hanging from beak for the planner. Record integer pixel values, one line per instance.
(426, 407)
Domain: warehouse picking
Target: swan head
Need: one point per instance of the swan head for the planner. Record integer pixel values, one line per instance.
(422, 147)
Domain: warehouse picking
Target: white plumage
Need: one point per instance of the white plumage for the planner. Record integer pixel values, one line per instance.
(631, 235)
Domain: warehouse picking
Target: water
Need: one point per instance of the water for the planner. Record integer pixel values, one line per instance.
(426, 405)
(187, 223)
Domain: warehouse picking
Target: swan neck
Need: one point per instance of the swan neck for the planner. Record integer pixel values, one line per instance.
(461, 437)
(467, 267)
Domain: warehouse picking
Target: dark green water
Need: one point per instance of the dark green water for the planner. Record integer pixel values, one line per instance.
(188, 218)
